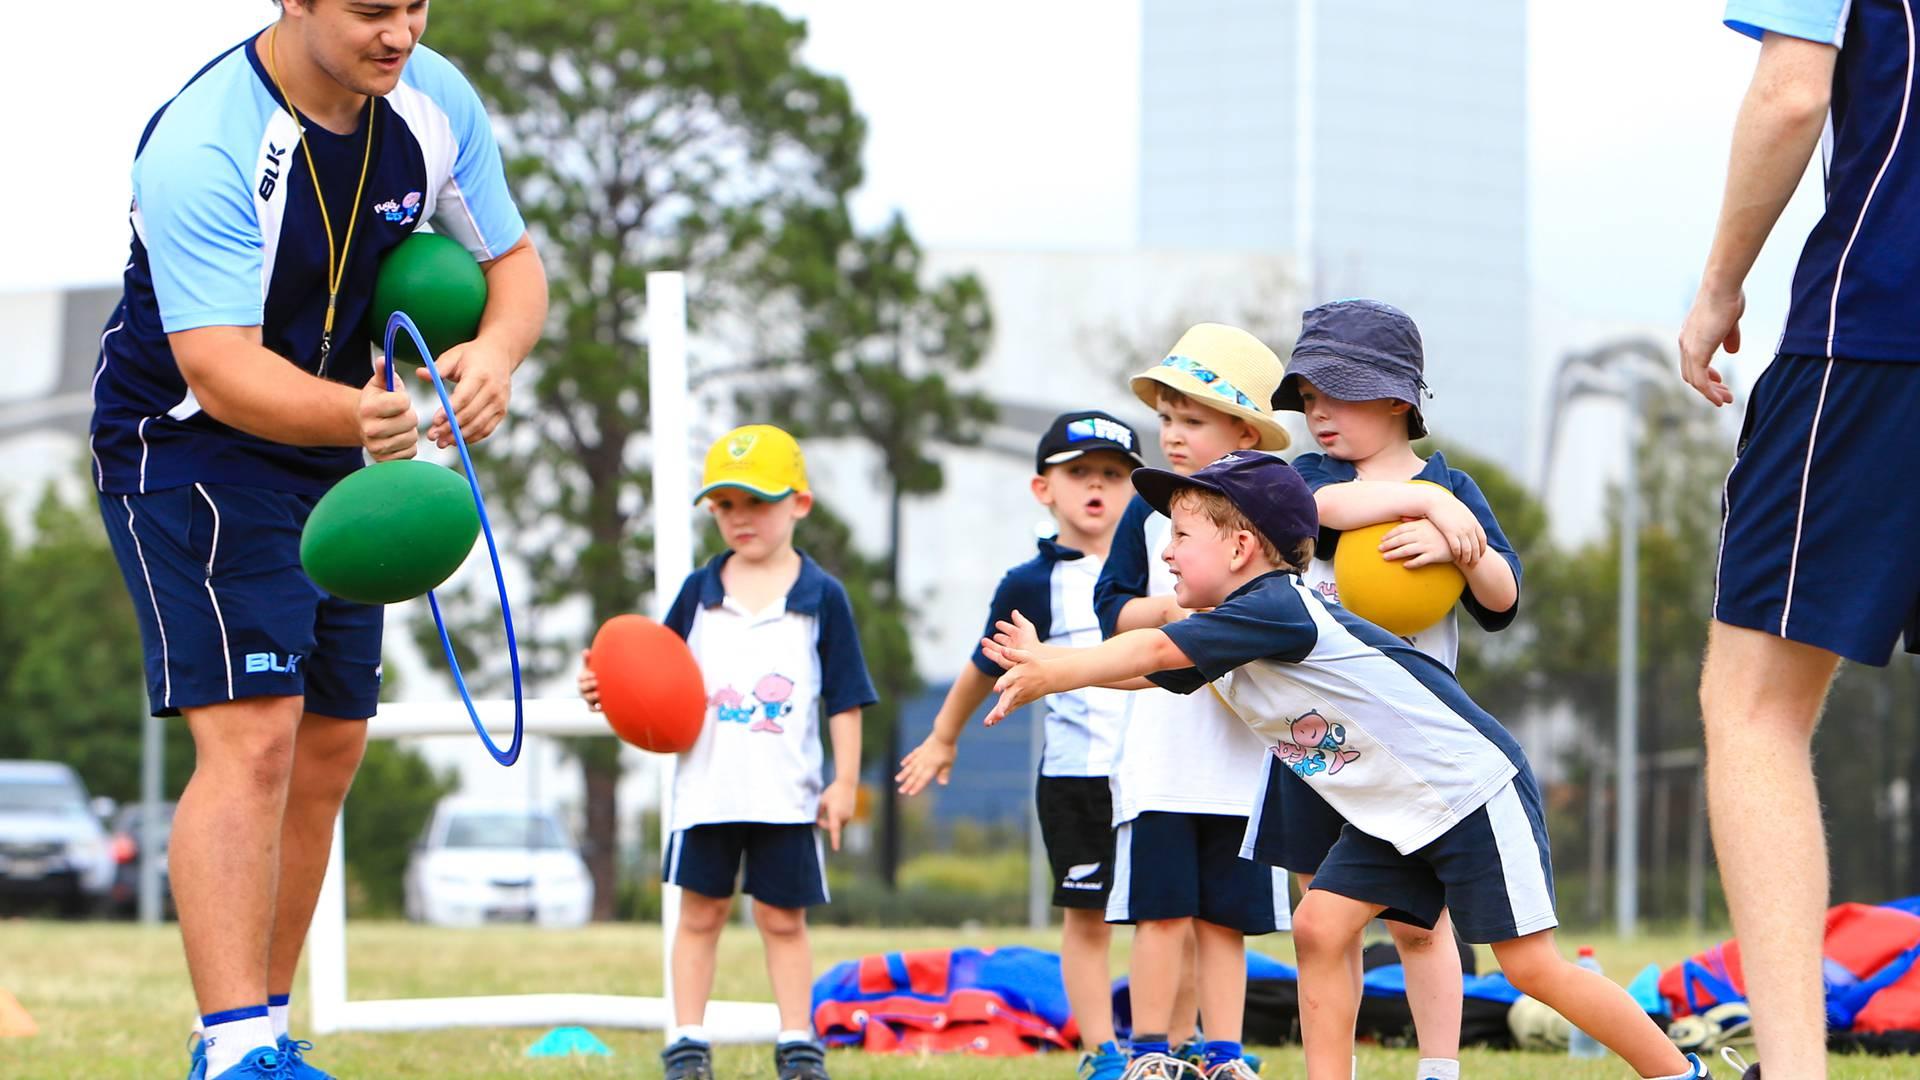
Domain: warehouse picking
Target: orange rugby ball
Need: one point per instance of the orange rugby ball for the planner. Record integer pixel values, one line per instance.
(650, 687)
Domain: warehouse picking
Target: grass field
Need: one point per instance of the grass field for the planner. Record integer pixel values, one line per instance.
(112, 1004)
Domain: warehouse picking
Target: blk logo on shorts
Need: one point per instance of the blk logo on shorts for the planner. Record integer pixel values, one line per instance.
(258, 662)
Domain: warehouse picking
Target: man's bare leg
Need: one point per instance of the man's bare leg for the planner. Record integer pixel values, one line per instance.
(1760, 697)
(224, 854)
(327, 752)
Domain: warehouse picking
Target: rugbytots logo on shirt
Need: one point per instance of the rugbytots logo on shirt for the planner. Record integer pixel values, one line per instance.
(1317, 747)
(761, 710)
(400, 213)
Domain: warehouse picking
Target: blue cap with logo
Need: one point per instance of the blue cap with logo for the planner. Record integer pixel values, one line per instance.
(1075, 433)
(1266, 489)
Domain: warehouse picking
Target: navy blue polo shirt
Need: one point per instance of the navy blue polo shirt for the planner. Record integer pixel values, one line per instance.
(227, 232)
(1853, 291)
(1054, 590)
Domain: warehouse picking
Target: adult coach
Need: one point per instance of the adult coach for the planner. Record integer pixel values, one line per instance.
(235, 386)
(1812, 562)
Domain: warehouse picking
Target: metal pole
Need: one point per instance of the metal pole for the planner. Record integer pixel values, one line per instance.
(153, 752)
(1039, 871)
(1626, 880)
(666, 326)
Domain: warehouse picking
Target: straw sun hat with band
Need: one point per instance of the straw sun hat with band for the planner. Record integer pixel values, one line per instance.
(1224, 368)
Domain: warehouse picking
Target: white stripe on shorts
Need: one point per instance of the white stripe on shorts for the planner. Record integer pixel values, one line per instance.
(166, 662)
(820, 854)
(1120, 898)
(226, 651)
(1526, 882)
(674, 843)
(1282, 900)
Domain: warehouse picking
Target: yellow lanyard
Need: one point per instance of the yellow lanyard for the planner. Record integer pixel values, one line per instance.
(336, 265)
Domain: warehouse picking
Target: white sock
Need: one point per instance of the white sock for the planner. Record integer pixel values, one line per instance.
(277, 1009)
(232, 1035)
(794, 1036)
(687, 1031)
(1437, 1069)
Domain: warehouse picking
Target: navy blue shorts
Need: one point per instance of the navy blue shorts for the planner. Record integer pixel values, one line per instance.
(225, 610)
(1292, 827)
(1818, 522)
(785, 864)
(1493, 871)
(1178, 866)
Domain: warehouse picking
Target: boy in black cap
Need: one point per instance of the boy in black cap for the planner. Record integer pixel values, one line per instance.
(1080, 475)
(1442, 808)
(1357, 375)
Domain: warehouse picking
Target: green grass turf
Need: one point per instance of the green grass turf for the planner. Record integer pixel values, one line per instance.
(112, 1002)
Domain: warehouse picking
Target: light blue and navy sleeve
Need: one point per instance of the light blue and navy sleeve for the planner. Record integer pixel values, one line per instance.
(1313, 469)
(1824, 21)
(1028, 589)
(1124, 575)
(1270, 622)
(1469, 493)
(686, 605)
(200, 228)
(844, 680)
(475, 206)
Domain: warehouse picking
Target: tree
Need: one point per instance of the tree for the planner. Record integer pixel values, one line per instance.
(392, 799)
(72, 686)
(869, 355)
(639, 135)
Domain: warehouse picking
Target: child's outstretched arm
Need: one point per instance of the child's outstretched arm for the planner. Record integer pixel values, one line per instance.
(1129, 656)
(837, 803)
(932, 760)
(1356, 504)
(589, 683)
(1019, 635)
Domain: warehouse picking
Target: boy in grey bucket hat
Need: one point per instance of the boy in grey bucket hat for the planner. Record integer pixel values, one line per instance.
(1358, 350)
(1356, 375)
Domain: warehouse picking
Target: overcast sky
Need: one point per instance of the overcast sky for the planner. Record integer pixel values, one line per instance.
(1011, 123)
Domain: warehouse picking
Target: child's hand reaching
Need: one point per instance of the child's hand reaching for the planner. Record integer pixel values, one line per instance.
(837, 804)
(931, 760)
(1024, 682)
(588, 682)
(1418, 543)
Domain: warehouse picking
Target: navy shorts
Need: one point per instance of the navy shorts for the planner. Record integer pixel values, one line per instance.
(225, 610)
(1076, 824)
(785, 864)
(1292, 827)
(1493, 871)
(1817, 519)
(1177, 866)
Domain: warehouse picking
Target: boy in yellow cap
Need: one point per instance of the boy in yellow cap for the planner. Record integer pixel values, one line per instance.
(776, 643)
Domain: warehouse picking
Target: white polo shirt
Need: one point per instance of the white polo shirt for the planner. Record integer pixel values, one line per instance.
(1183, 755)
(770, 677)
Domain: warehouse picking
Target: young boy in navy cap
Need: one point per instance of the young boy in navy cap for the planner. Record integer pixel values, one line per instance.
(1357, 375)
(1441, 806)
(1080, 475)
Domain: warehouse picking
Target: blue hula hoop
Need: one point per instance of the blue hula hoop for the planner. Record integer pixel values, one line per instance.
(400, 321)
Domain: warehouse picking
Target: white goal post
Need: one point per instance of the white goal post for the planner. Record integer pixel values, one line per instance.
(726, 1021)
(332, 1011)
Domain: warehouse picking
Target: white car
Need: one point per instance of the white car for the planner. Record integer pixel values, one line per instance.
(485, 862)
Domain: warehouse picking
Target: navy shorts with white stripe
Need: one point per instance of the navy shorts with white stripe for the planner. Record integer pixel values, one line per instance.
(225, 610)
(1818, 517)
(785, 864)
(1493, 871)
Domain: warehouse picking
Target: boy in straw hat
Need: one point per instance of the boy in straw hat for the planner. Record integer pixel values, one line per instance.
(1188, 770)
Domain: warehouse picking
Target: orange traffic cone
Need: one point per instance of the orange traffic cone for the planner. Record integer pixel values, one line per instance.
(14, 1021)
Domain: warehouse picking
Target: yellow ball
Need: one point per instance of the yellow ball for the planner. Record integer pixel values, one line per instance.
(1400, 601)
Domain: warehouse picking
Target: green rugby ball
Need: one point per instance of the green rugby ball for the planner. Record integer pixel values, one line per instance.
(390, 532)
(440, 287)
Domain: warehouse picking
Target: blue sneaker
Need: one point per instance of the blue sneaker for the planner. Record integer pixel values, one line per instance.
(1106, 1062)
(297, 1067)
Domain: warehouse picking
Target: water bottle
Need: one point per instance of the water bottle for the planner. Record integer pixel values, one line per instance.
(1581, 1044)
